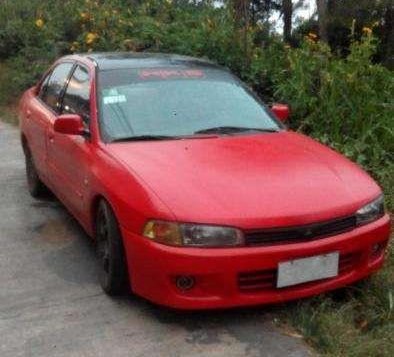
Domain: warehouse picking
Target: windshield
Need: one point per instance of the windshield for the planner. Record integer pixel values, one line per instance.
(176, 102)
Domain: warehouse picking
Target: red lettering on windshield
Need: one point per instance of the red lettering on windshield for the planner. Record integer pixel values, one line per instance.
(170, 73)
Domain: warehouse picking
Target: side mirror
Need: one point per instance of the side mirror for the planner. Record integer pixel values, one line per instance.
(69, 124)
(281, 111)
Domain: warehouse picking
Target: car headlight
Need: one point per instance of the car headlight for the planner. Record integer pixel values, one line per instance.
(370, 212)
(192, 235)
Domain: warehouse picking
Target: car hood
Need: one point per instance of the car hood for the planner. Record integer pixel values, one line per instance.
(249, 181)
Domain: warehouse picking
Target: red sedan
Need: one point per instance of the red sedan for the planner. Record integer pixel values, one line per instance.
(195, 192)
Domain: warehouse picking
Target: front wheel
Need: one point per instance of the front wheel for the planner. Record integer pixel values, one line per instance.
(113, 271)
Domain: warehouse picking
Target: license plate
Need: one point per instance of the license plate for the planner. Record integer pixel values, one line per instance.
(303, 270)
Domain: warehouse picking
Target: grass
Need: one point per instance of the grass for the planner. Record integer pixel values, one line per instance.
(355, 321)
(3, 77)
(8, 114)
(8, 111)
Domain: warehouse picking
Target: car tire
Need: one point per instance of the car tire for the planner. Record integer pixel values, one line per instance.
(36, 187)
(110, 251)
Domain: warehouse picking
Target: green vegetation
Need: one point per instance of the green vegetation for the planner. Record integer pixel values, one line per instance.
(7, 112)
(356, 321)
(343, 98)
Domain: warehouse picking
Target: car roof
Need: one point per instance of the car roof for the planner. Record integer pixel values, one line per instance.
(118, 60)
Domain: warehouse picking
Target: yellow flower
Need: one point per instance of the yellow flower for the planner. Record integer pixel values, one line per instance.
(39, 23)
(328, 78)
(91, 37)
(84, 15)
(129, 44)
(350, 77)
(308, 39)
(367, 30)
(74, 46)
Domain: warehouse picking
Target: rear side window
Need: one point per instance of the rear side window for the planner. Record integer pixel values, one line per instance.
(53, 87)
(76, 97)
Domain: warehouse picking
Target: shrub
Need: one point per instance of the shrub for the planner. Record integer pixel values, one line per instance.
(346, 103)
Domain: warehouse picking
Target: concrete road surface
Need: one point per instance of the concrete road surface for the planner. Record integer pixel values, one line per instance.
(51, 303)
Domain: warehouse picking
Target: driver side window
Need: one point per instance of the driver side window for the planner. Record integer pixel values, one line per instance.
(53, 85)
(76, 99)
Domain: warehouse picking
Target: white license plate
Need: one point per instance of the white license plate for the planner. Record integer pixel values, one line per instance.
(299, 271)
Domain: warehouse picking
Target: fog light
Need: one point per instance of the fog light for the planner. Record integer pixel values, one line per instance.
(184, 282)
(377, 249)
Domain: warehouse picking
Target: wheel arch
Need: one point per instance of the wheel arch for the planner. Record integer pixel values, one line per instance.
(25, 145)
(94, 204)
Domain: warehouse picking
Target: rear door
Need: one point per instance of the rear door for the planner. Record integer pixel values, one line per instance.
(41, 111)
(69, 155)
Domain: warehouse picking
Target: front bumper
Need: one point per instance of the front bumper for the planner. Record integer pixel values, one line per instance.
(227, 277)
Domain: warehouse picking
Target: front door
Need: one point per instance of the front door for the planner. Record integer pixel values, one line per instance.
(69, 155)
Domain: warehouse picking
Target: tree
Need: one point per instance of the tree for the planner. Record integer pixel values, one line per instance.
(340, 22)
(241, 13)
(287, 10)
(261, 10)
(322, 19)
(387, 36)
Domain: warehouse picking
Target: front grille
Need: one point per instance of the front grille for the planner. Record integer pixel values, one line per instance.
(264, 280)
(301, 233)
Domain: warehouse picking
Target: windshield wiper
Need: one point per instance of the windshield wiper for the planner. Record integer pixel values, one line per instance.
(144, 138)
(233, 129)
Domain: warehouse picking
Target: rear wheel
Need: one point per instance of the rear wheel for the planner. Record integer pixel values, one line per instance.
(35, 185)
(113, 271)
